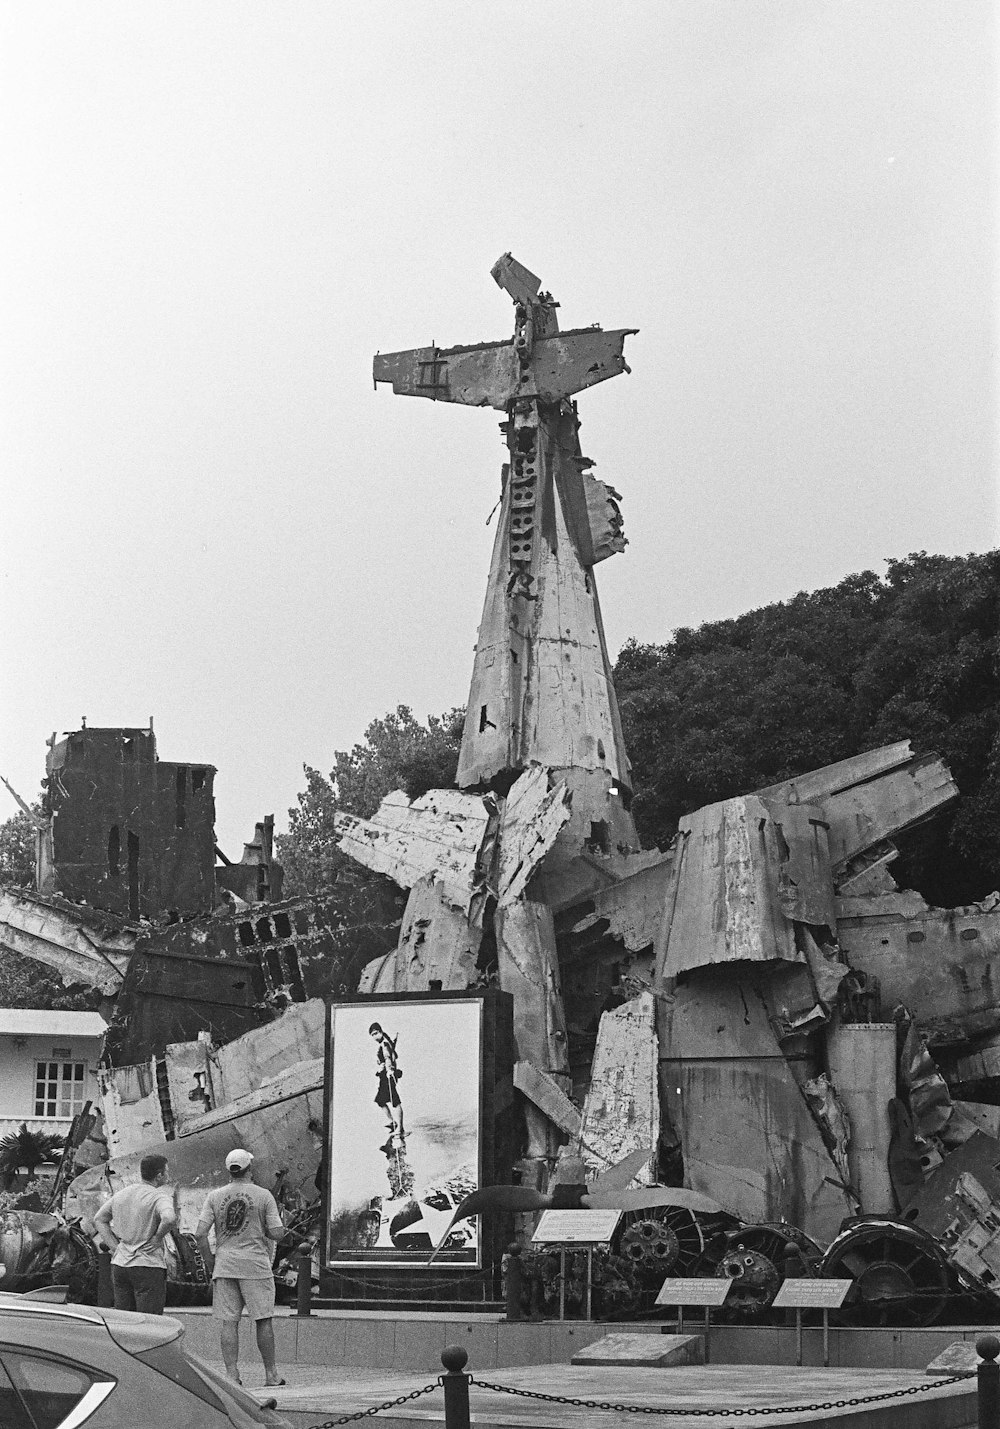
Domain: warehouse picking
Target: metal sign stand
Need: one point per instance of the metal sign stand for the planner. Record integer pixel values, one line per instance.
(588, 1288)
(803, 1294)
(708, 1328)
(576, 1230)
(826, 1337)
(706, 1293)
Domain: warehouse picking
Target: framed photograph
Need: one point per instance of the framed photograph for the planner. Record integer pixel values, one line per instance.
(406, 1119)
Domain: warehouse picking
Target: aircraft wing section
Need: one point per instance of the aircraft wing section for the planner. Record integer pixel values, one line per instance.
(490, 375)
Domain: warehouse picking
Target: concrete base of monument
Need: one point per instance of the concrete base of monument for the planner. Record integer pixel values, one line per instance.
(650, 1351)
(790, 1397)
(410, 1340)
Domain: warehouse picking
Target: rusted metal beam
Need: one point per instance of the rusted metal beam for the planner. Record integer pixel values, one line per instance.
(440, 835)
(622, 1110)
(530, 819)
(466, 844)
(544, 1092)
(78, 942)
(748, 1136)
(528, 969)
(438, 945)
(294, 1081)
(738, 877)
(862, 1063)
(942, 964)
(819, 784)
(867, 814)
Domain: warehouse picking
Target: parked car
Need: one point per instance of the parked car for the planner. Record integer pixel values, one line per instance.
(68, 1365)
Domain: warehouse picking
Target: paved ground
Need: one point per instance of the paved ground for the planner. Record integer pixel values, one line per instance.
(316, 1393)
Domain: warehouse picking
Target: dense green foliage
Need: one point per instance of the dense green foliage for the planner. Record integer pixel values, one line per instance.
(739, 704)
(736, 705)
(398, 753)
(17, 851)
(26, 983)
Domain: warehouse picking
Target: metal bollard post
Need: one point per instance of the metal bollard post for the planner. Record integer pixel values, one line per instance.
(456, 1388)
(514, 1287)
(303, 1281)
(105, 1291)
(988, 1376)
(792, 1269)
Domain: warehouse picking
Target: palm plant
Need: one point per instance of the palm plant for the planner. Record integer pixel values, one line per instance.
(27, 1149)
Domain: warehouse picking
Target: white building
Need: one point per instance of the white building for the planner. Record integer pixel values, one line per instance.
(48, 1067)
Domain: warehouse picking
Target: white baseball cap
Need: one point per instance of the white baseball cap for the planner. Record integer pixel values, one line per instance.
(239, 1159)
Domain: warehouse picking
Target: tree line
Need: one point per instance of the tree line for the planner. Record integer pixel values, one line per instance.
(736, 705)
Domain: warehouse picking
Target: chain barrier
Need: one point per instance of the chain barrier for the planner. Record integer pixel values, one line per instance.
(750, 1411)
(480, 1277)
(377, 1408)
(721, 1413)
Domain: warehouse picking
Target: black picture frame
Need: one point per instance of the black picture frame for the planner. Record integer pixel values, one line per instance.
(375, 1273)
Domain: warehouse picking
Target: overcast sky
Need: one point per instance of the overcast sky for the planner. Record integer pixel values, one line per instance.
(214, 214)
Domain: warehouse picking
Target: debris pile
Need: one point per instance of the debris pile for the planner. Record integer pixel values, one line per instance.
(761, 1002)
(215, 988)
(813, 1052)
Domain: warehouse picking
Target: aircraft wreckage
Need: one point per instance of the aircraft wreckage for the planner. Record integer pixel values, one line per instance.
(813, 1052)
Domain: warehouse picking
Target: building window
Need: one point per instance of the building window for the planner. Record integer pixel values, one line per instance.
(59, 1089)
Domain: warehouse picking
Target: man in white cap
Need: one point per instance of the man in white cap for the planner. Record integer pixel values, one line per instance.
(245, 1218)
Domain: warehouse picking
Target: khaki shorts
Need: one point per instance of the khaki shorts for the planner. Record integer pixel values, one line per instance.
(230, 1297)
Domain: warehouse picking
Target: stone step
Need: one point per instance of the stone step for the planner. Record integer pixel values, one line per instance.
(652, 1350)
(960, 1357)
(446, 1309)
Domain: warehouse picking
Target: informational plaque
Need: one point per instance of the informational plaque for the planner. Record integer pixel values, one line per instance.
(811, 1294)
(708, 1292)
(576, 1227)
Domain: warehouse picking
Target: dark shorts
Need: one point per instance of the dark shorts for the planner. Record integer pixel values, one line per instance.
(386, 1094)
(139, 1287)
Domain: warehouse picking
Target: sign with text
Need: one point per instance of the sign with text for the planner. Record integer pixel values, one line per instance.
(811, 1294)
(708, 1292)
(576, 1227)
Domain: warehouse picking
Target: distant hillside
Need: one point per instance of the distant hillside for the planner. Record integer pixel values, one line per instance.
(738, 704)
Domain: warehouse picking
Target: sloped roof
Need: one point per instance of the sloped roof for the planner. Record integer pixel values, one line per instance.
(41, 1022)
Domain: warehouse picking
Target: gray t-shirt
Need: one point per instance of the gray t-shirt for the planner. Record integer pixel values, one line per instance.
(240, 1213)
(134, 1219)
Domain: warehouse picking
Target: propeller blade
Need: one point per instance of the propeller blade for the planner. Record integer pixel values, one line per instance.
(38, 1221)
(495, 1198)
(617, 1177)
(647, 1197)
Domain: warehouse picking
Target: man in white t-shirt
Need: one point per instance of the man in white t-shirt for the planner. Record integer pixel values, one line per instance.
(133, 1224)
(245, 1219)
